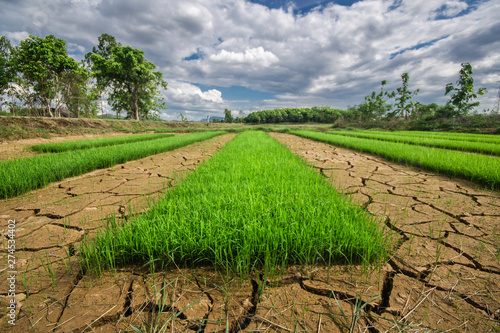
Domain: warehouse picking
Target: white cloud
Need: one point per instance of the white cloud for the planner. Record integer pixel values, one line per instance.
(184, 92)
(451, 8)
(335, 55)
(252, 56)
(16, 36)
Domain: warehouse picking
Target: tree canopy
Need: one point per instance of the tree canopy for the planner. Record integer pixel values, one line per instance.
(463, 94)
(43, 64)
(132, 79)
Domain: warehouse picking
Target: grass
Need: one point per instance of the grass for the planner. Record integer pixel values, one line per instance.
(486, 138)
(480, 169)
(253, 205)
(86, 144)
(23, 175)
(438, 142)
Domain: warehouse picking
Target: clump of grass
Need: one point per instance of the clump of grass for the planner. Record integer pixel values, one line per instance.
(477, 168)
(23, 175)
(253, 205)
(86, 144)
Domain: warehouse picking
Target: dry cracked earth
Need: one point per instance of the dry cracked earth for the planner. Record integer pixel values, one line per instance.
(443, 273)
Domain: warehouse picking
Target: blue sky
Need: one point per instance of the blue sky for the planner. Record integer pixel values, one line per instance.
(248, 55)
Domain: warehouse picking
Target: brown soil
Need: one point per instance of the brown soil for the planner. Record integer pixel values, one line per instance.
(444, 273)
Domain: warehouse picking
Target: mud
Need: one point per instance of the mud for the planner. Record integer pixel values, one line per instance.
(444, 272)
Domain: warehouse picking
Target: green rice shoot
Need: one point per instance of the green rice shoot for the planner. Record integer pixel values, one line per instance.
(253, 205)
(86, 144)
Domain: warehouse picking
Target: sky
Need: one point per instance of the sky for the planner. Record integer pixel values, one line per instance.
(249, 55)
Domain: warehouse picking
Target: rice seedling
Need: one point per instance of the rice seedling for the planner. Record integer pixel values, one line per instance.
(491, 138)
(438, 142)
(86, 144)
(481, 169)
(23, 175)
(254, 205)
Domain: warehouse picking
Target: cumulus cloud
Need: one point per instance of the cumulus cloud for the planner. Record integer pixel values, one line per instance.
(186, 98)
(16, 36)
(332, 55)
(252, 56)
(188, 93)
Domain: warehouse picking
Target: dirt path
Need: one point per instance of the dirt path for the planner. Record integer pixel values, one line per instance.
(444, 273)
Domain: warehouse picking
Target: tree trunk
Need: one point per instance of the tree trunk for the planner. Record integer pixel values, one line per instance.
(48, 109)
(136, 104)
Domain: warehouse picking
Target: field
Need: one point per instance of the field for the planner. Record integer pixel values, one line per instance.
(442, 271)
(467, 143)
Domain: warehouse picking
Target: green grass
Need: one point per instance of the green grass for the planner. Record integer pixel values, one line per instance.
(23, 175)
(253, 205)
(86, 144)
(481, 169)
(487, 138)
(438, 142)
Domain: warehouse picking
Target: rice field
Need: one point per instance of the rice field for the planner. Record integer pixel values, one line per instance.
(487, 138)
(256, 235)
(253, 205)
(86, 144)
(443, 141)
(23, 175)
(481, 169)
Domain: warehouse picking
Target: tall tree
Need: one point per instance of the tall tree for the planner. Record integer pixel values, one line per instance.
(80, 97)
(104, 47)
(133, 79)
(403, 97)
(5, 68)
(42, 63)
(463, 94)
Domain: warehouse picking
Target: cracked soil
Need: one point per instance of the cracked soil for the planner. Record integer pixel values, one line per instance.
(444, 272)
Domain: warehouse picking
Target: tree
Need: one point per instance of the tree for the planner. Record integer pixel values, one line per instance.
(404, 95)
(5, 68)
(376, 103)
(42, 63)
(133, 81)
(106, 44)
(228, 117)
(464, 92)
(80, 97)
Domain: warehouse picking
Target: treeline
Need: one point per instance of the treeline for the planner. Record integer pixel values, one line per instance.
(352, 114)
(385, 105)
(295, 115)
(39, 78)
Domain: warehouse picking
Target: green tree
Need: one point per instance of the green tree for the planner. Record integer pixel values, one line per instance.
(80, 96)
(228, 117)
(43, 63)
(376, 104)
(133, 80)
(463, 94)
(403, 97)
(5, 67)
(104, 47)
